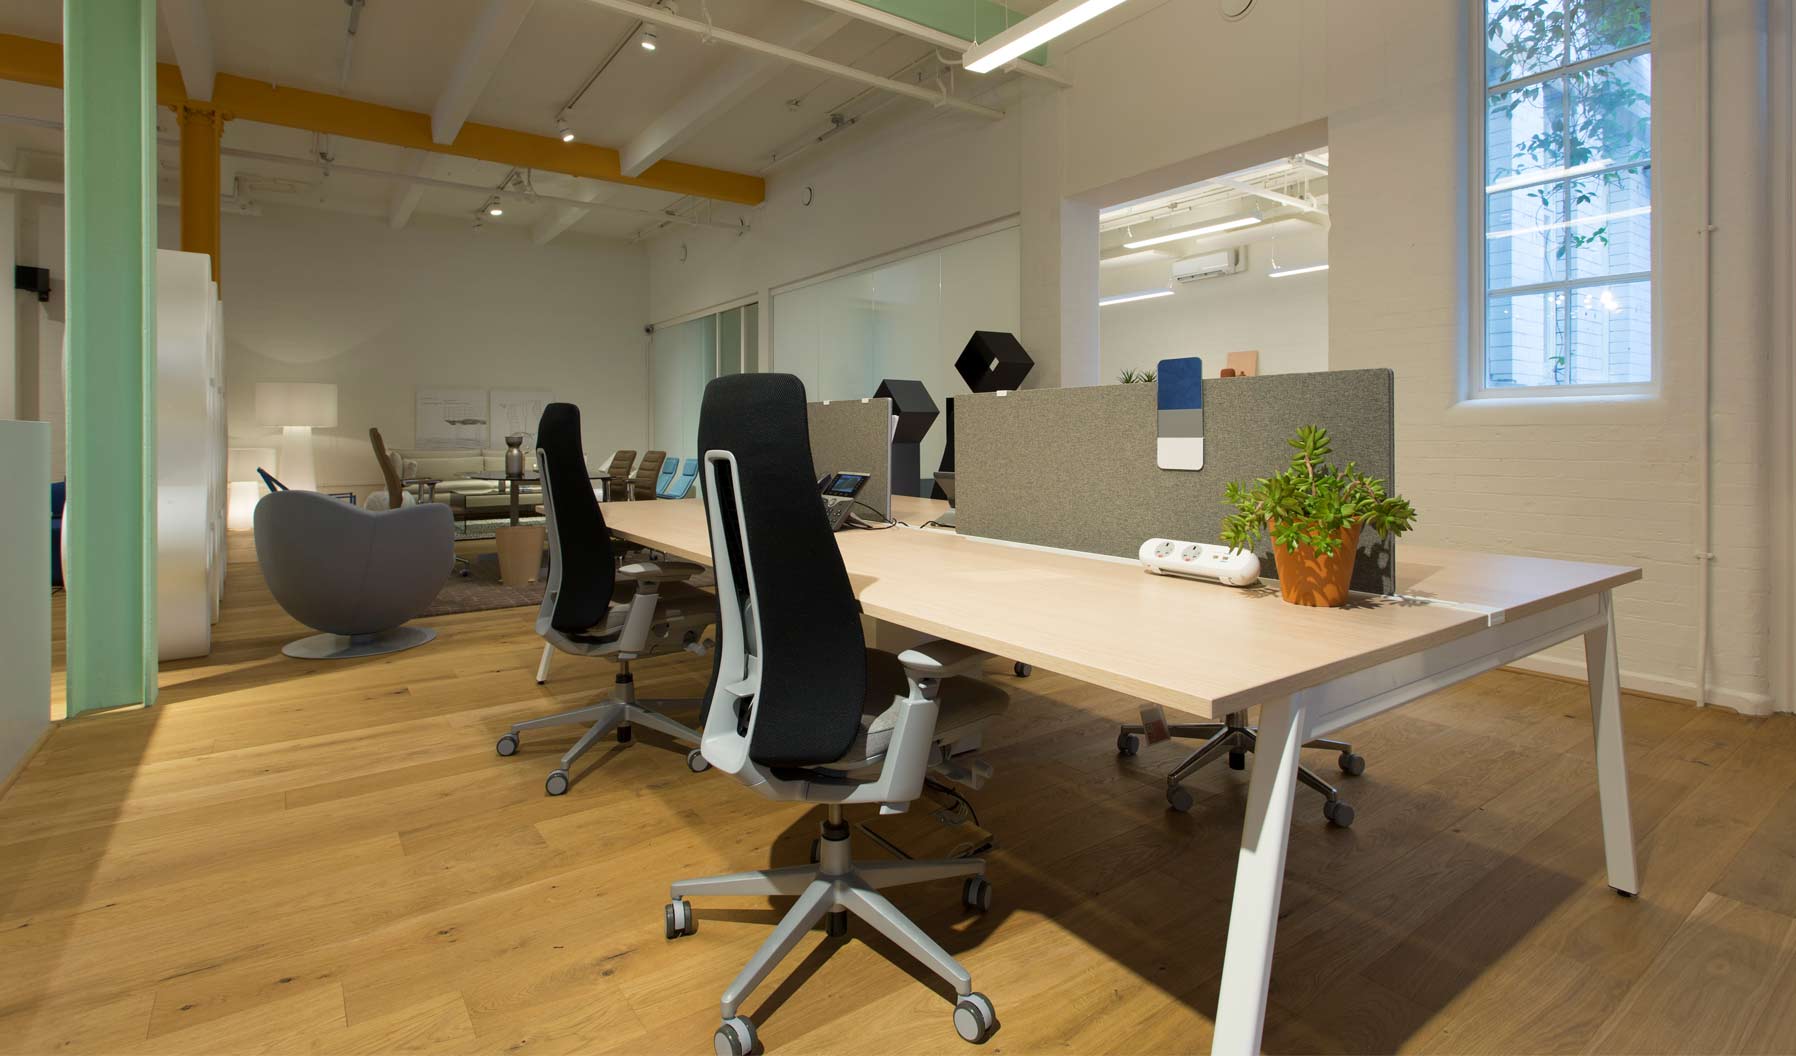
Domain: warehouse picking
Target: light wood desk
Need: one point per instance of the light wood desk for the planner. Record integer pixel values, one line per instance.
(1212, 651)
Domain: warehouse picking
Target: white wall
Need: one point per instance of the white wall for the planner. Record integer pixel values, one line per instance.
(319, 296)
(1285, 319)
(1163, 96)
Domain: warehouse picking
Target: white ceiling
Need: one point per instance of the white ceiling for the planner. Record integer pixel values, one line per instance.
(405, 51)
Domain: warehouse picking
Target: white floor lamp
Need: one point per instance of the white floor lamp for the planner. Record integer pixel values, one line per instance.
(297, 407)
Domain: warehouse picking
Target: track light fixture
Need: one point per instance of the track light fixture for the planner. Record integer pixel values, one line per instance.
(566, 133)
(494, 207)
(646, 39)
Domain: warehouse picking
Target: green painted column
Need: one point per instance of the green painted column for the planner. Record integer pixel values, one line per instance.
(109, 175)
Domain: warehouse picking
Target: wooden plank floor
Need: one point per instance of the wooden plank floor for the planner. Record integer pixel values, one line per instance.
(308, 857)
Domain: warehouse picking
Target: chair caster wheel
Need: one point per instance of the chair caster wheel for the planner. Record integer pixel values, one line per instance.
(1237, 760)
(695, 762)
(557, 783)
(974, 1018)
(1179, 798)
(816, 850)
(835, 924)
(1127, 744)
(735, 1038)
(508, 745)
(625, 735)
(976, 894)
(1338, 813)
(680, 919)
(1022, 670)
(1352, 765)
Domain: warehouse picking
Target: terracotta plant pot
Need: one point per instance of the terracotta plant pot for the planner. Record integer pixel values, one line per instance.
(1308, 578)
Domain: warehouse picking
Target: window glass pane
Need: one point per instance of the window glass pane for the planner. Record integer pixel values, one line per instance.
(1612, 113)
(1523, 339)
(1524, 236)
(729, 342)
(1611, 232)
(1522, 37)
(1611, 334)
(1524, 132)
(1601, 26)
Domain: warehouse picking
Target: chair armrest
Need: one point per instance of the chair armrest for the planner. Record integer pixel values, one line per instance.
(940, 659)
(660, 571)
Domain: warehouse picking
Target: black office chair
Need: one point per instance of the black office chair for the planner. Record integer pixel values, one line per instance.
(593, 608)
(800, 708)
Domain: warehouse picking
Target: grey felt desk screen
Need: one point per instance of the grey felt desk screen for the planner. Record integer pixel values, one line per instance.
(1075, 468)
(855, 436)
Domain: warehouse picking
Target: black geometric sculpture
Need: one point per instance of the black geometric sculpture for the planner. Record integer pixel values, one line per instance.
(947, 466)
(916, 412)
(993, 360)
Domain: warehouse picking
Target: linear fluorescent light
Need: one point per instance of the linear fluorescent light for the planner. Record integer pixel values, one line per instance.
(1193, 232)
(1282, 272)
(1032, 33)
(1125, 298)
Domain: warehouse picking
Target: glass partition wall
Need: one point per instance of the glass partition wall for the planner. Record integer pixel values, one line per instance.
(683, 358)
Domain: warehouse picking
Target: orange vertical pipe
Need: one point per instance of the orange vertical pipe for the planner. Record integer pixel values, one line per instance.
(201, 130)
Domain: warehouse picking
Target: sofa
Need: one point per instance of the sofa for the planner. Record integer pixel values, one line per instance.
(468, 499)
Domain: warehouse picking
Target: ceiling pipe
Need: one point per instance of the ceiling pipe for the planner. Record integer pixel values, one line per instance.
(706, 31)
(9, 182)
(1272, 196)
(474, 188)
(917, 31)
(403, 177)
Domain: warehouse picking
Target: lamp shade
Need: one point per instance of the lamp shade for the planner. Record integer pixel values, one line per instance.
(296, 403)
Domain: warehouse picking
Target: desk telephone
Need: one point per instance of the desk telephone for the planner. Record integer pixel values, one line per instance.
(838, 491)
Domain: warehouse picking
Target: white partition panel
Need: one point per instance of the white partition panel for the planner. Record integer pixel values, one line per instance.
(190, 455)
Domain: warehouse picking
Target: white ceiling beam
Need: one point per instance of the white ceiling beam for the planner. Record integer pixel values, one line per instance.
(567, 216)
(1260, 192)
(804, 30)
(191, 35)
(492, 34)
(918, 31)
(405, 195)
(661, 18)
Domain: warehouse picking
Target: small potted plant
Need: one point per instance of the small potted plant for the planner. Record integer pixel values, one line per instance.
(1313, 513)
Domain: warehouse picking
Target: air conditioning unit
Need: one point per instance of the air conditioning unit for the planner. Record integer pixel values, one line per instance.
(1208, 265)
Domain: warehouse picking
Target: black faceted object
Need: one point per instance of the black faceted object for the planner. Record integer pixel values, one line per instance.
(993, 360)
(915, 409)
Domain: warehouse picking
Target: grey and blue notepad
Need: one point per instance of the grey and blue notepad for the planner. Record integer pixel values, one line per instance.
(1181, 416)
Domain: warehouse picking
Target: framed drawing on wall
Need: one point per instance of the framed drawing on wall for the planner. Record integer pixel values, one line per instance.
(515, 412)
(451, 419)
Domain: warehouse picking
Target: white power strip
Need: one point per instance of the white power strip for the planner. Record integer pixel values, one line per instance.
(1207, 561)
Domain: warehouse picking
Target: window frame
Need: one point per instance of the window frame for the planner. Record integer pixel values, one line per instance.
(1476, 385)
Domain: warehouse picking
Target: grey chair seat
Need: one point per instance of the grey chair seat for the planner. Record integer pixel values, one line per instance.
(965, 703)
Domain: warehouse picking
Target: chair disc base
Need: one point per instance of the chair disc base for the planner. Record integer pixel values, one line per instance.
(347, 647)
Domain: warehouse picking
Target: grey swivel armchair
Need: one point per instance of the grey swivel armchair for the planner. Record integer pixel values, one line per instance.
(801, 710)
(591, 607)
(354, 575)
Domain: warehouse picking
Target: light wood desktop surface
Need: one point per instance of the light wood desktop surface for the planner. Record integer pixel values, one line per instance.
(1202, 648)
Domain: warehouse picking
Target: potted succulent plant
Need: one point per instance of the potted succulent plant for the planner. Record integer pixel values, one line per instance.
(1313, 513)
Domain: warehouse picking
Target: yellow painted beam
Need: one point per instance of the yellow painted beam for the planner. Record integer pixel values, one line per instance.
(40, 62)
(200, 133)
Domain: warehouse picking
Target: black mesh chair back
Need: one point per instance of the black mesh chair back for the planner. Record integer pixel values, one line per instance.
(582, 567)
(805, 622)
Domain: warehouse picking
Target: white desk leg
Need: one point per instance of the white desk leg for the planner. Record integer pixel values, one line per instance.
(1611, 762)
(1259, 879)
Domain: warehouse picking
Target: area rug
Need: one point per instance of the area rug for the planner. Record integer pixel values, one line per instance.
(482, 590)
